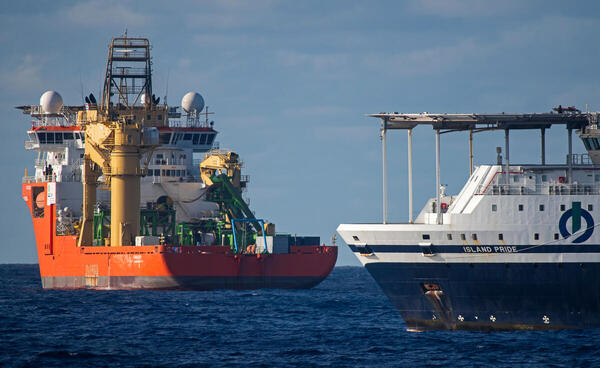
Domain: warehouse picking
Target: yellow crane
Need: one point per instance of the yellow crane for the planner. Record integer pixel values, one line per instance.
(117, 135)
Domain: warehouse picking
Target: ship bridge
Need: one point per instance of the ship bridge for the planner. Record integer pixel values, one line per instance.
(585, 123)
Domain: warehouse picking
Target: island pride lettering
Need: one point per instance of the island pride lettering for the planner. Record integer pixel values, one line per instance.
(489, 249)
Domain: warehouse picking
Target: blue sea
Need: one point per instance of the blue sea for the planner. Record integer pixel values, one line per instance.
(346, 321)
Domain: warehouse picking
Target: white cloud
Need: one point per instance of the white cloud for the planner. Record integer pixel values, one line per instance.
(315, 111)
(427, 61)
(25, 77)
(106, 13)
(345, 134)
(329, 65)
(463, 8)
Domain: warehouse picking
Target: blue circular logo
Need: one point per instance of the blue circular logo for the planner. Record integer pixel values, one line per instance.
(575, 213)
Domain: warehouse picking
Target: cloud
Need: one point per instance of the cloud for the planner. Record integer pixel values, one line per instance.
(109, 13)
(25, 77)
(231, 14)
(315, 111)
(329, 65)
(426, 61)
(345, 134)
(463, 8)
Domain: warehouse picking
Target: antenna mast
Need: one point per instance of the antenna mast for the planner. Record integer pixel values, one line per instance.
(128, 62)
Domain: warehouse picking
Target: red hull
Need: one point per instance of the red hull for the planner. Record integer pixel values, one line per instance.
(64, 265)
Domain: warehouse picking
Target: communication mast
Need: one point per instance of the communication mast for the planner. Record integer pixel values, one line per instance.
(128, 77)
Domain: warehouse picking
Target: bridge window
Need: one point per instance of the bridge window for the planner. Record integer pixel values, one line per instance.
(42, 137)
(536, 236)
(500, 236)
(586, 143)
(474, 236)
(355, 238)
(426, 237)
(515, 179)
(211, 138)
(67, 136)
(541, 207)
(203, 139)
(494, 208)
(187, 137)
(520, 207)
(449, 236)
(544, 178)
(463, 237)
(196, 138)
(594, 143)
(164, 138)
(58, 138)
(590, 207)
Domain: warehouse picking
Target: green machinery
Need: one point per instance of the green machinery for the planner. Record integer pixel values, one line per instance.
(158, 219)
(233, 207)
(155, 220)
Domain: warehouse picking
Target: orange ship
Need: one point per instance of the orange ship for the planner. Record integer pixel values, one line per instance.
(194, 233)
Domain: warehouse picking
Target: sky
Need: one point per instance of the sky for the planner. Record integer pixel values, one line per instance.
(290, 83)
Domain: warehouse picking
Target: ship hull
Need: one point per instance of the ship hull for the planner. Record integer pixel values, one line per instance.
(491, 296)
(200, 283)
(182, 268)
(65, 265)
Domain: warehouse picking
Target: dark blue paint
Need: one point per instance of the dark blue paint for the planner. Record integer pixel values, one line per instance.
(516, 293)
(530, 248)
(575, 213)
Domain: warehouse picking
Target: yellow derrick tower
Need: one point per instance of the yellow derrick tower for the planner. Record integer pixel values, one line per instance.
(117, 134)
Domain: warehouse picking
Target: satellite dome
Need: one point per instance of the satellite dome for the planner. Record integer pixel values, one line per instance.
(192, 101)
(143, 99)
(51, 102)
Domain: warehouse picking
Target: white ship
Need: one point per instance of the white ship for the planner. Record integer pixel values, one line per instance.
(516, 248)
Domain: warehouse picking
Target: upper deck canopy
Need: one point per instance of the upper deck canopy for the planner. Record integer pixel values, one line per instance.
(458, 122)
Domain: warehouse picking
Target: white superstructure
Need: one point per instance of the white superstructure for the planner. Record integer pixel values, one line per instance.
(172, 169)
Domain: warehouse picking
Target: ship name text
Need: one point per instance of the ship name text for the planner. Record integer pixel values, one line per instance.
(490, 249)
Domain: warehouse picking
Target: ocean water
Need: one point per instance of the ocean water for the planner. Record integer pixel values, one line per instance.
(346, 321)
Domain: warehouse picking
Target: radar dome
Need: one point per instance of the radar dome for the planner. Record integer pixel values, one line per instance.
(192, 101)
(143, 99)
(51, 102)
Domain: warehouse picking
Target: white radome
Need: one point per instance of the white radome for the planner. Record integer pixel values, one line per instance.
(143, 99)
(192, 101)
(51, 102)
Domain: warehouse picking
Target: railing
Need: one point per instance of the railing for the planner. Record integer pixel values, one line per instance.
(540, 189)
(580, 159)
(190, 123)
(66, 117)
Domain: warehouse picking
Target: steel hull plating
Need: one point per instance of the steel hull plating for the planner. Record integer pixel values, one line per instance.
(185, 268)
(182, 282)
(492, 296)
(64, 265)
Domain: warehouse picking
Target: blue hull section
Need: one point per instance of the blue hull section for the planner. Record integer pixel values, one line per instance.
(492, 296)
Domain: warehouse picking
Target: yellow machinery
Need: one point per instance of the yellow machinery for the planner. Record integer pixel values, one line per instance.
(223, 169)
(115, 139)
(219, 162)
